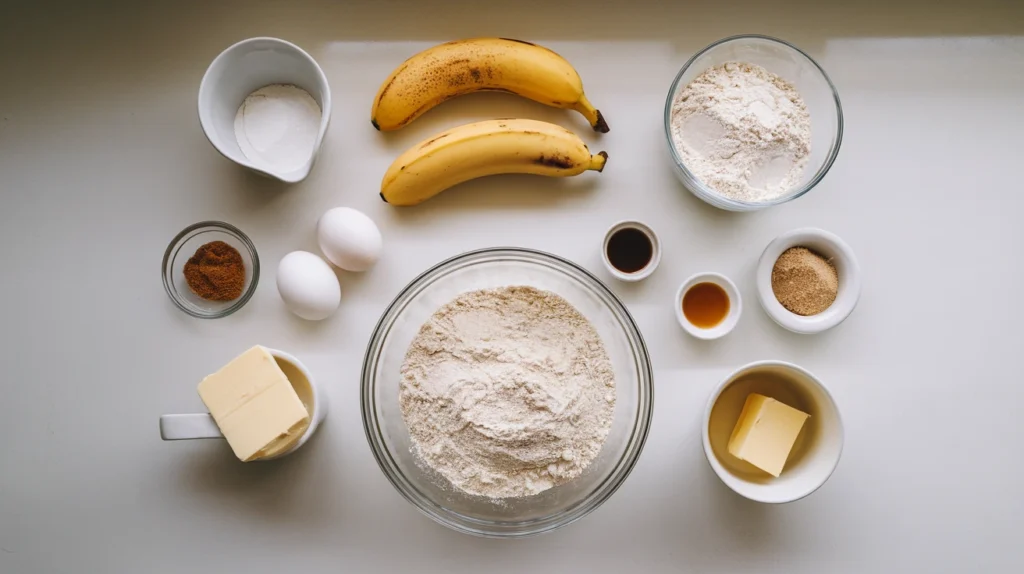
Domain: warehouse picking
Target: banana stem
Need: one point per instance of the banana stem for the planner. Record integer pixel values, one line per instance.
(592, 114)
(598, 161)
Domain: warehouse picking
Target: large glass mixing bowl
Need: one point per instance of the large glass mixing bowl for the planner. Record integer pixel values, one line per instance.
(431, 493)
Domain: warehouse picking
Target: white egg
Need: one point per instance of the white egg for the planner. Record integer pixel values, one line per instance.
(308, 285)
(349, 238)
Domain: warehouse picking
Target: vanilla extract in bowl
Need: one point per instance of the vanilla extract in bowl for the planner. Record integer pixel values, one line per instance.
(630, 250)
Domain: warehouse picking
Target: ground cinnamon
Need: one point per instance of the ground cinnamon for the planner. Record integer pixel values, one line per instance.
(216, 272)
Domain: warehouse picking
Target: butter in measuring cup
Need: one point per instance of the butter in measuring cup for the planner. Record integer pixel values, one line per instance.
(255, 406)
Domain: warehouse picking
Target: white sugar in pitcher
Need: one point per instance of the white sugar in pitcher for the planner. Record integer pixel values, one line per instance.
(241, 70)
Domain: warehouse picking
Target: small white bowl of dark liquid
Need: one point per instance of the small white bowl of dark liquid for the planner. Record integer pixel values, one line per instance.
(631, 251)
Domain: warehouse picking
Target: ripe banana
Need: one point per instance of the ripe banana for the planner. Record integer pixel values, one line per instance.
(485, 148)
(466, 66)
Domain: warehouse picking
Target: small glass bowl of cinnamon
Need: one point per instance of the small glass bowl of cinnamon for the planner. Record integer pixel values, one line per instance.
(210, 269)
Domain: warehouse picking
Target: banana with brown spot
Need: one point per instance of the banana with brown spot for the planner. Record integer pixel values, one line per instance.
(486, 148)
(480, 64)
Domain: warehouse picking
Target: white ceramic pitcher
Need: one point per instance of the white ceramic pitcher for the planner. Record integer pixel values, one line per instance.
(244, 68)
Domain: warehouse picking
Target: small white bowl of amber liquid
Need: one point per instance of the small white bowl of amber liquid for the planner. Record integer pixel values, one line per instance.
(708, 305)
(803, 461)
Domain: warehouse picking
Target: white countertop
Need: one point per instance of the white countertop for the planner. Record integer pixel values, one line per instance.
(102, 162)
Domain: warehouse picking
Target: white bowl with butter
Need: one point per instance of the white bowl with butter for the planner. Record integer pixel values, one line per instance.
(815, 453)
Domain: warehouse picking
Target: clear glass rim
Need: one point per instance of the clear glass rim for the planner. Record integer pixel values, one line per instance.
(175, 245)
(696, 185)
(489, 529)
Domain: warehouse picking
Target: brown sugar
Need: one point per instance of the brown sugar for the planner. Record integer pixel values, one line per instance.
(216, 272)
(804, 282)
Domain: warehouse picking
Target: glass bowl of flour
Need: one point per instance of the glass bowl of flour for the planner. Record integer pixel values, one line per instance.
(751, 122)
(506, 392)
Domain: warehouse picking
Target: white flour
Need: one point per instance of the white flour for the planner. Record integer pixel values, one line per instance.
(276, 127)
(507, 392)
(743, 131)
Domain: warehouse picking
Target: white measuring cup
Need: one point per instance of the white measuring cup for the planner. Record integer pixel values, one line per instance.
(201, 425)
(241, 70)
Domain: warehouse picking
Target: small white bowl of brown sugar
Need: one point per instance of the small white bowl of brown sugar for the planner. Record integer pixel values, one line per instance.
(808, 280)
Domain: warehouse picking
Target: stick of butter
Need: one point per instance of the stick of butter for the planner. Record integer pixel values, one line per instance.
(253, 403)
(765, 433)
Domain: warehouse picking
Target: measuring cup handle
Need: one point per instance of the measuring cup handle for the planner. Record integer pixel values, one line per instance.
(190, 426)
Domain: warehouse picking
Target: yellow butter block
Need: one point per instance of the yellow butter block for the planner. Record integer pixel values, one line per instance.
(253, 403)
(766, 432)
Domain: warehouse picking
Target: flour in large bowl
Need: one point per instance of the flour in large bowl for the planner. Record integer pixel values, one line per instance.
(507, 392)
